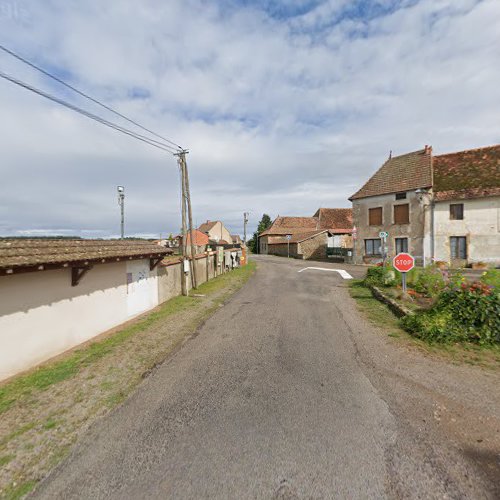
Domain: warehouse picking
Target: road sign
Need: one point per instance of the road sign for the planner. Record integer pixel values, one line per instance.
(383, 234)
(403, 262)
(288, 236)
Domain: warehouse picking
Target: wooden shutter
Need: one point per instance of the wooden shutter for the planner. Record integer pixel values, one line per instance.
(402, 214)
(375, 216)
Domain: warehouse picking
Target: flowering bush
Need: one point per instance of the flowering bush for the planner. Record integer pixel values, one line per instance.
(380, 276)
(429, 281)
(464, 313)
(491, 277)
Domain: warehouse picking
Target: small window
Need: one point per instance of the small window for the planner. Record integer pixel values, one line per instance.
(458, 247)
(375, 216)
(457, 211)
(400, 196)
(401, 245)
(402, 214)
(373, 247)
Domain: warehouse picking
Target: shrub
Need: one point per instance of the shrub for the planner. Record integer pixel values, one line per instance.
(380, 276)
(429, 281)
(468, 313)
(492, 278)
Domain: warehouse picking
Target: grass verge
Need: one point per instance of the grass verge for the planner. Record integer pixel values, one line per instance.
(43, 412)
(382, 317)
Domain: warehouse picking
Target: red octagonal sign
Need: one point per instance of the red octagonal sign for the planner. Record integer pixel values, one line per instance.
(403, 262)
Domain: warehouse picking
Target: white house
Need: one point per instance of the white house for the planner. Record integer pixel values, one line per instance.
(56, 294)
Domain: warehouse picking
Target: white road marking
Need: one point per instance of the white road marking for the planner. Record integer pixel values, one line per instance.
(342, 273)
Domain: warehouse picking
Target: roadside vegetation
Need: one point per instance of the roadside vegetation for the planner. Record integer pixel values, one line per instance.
(43, 412)
(447, 314)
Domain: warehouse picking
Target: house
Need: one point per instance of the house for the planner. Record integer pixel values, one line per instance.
(200, 240)
(57, 294)
(216, 231)
(338, 221)
(442, 207)
(236, 239)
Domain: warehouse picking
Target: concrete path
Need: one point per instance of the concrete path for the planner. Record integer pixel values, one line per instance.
(270, 400)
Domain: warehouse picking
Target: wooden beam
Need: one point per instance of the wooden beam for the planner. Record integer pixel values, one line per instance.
(154, 262)
(77, 274)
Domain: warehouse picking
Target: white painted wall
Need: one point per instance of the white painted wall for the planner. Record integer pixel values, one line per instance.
(481, 226)
(42, 315)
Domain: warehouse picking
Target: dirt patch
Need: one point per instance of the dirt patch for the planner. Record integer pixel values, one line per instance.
(43, 413)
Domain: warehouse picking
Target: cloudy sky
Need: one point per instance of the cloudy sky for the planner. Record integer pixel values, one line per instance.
(285, 106)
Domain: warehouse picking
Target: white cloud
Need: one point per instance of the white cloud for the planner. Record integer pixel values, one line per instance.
(281, 114)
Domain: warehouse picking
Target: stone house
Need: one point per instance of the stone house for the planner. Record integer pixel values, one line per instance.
(216, 231)
(338, 221)
(412, 198)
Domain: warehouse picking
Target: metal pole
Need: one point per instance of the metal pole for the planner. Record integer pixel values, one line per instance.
(288, 241)
(404, 282)
(190, 217)
(121, 202)
(245, 222)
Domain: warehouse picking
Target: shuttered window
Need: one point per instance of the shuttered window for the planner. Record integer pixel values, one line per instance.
(402, 214)
(375, 216)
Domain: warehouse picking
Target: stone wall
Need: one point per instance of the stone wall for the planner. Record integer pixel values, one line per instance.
(314, 248)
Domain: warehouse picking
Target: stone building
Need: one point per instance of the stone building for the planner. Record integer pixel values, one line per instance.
(443, 207)
(216, 231)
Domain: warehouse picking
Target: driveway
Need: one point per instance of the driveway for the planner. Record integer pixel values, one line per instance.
(287, 393)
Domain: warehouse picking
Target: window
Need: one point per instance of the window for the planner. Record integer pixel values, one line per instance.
(400, 196)
(458, 247)
(457, 211)
(375, 216)
(401, 245)
(373, 247)
(402, 214)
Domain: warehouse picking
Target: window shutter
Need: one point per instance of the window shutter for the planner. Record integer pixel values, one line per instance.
(402, 214)
(375, 216)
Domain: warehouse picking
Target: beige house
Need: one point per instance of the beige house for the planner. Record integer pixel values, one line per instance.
(216, 231)
(57, 294)
(438, 208)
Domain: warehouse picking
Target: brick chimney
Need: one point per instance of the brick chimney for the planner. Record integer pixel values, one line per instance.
(428, 149)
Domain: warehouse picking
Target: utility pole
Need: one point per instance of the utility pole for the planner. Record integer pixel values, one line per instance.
(186, 206)
(183, 227)
(121, 202)
(245, 222)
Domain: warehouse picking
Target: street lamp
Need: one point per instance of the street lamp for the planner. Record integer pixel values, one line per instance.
(121, 202)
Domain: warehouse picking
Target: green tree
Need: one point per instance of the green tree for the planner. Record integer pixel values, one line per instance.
(265, 223)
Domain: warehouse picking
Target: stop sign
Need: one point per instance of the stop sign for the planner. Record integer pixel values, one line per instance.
(403, 262)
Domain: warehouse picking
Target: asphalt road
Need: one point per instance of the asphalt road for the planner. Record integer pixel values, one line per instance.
(271, 399)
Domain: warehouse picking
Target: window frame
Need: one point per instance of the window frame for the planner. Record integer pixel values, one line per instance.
(381, 216)
(407, 244)
(394, 213)
(453, 214)
(456, 249)
(372, 240)
(401, 196)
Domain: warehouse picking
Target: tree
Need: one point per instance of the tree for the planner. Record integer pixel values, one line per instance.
(265, 223)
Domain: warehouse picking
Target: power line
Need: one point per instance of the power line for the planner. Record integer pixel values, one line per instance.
(131, 133)
(83, 94)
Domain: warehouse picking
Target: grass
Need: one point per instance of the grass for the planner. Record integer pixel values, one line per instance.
(18, 491)
(381, 316)
(55, 372)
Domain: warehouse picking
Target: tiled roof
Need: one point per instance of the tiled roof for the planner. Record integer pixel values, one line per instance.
(291, 225)
(236, 238)
(200, 238)
(474, 173)
(399, 173)
(206, 226)
(299, 237)
(336, 220)
(16, 253)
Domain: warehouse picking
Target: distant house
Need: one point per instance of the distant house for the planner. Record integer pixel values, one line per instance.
(57, 294)
(442, 207)
(236, 239)
(201, 241)
(216, 231)
(338, 221)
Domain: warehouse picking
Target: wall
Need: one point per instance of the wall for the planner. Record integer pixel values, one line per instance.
(481, 227)
(282, 250)
(414, 231)
(42, 315)
(314, 248)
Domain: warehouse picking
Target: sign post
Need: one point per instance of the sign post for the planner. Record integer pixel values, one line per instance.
(288, 238)
(403, 262)
(383, 236)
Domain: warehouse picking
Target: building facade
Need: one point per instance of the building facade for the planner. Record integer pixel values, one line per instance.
(216, 231)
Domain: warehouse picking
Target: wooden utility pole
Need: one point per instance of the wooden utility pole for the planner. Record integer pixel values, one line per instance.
(245, 222)
(183, 212)
(187, 204)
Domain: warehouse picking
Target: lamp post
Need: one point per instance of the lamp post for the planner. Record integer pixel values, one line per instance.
(121, 202)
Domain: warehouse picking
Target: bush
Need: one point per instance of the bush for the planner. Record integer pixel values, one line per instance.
(468, 313)
(429, 281)
(380, 276)
(492, 278)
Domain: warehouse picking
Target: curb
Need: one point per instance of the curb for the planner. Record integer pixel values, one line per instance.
(398, 309)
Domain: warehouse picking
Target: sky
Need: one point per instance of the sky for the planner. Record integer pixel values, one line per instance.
(285, 106)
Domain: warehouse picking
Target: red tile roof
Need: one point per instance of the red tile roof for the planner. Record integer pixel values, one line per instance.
(200, 238)
(206, 226)
(292, 225)
(473, 173)
(399, 173)
(336, 220)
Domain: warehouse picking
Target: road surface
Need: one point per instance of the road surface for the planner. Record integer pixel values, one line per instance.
(278, 397)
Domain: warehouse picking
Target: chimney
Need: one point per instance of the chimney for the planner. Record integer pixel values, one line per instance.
(428, 149)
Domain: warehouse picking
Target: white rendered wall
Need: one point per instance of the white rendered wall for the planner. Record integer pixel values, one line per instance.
(481, 227)
(42, 315)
